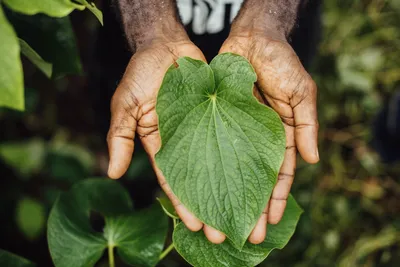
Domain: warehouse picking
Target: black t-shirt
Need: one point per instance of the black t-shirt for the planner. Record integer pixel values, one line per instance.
(208, 22)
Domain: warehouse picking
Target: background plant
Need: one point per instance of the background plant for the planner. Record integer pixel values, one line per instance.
(350, 198)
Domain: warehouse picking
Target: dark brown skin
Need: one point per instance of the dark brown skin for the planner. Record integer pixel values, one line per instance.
(259, 33)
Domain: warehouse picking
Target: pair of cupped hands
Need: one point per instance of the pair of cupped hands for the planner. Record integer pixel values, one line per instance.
(282, 83)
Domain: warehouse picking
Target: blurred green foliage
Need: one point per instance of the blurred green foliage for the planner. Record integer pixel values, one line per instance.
(351, 198)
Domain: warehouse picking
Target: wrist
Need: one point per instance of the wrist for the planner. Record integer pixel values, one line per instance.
(163, 33)
(273, 18)
(249, 30)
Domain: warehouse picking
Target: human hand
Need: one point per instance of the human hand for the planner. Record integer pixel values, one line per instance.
(284, 84)
(133, 111)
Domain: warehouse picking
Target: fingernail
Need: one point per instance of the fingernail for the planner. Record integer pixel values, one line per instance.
(317, 153)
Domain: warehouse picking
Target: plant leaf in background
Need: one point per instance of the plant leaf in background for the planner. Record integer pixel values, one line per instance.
(138, 237)
(8, 259)
(221, 149)
(92, 7)
(35, 58)
(52, 38)
(69, 162)
(11, 75)
(25, 157)
(168, 208)
(30, 217)
(199, 252)
(53, 8)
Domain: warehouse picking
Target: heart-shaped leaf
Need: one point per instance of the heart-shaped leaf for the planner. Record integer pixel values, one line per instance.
(8, 259)
(138, 237)
(199, 252)
(221, 149)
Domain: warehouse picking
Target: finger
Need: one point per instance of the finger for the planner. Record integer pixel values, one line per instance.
(151, 144)
(213, 235)
(281, 190)
(259, 232)
(121, 134)
(306, 123)
(257, 94)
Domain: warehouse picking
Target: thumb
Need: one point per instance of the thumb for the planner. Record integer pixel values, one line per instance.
(121, 133)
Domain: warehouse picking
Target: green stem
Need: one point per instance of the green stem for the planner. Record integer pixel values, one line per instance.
(166, 251)
(111, 256)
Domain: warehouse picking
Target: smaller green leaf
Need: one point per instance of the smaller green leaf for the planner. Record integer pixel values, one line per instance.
(8, 259)
(11, 74)
(168, 208)
(30, 218)
(138, 236)
(35, 58)
(52, 8)
(199, 252)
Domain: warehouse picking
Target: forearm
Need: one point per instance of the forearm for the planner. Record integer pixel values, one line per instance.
(145, 21)
(275, 16)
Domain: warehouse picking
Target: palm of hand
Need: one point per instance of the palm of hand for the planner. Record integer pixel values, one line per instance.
(133, 104)
(133, 111)
(282, 82)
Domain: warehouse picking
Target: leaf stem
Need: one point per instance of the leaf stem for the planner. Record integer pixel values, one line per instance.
(111, 256)
(166, 251)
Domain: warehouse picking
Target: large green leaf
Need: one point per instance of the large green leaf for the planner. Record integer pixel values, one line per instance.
(53, 8)
(52, 38)
(35, 58)
(198, 251)
(139, 237)
(8, 259)
(11, 75)
(221, 149)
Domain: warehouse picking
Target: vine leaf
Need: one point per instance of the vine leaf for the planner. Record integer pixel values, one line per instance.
(52, 38)
(35, 58)
(137, 236)
(52, 8)
(92, 7)
(221, 149)
(199, 252)
(11, 260)
(11, 74)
